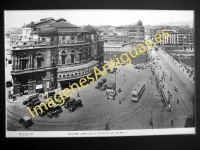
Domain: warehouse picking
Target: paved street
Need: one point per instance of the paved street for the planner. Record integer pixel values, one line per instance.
(186, 89)
(96, 108)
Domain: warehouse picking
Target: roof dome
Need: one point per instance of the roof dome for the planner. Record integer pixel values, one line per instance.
(140, 23)
(90, 29)
(47, 30)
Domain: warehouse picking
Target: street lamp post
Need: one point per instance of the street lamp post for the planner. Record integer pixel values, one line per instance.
(115, 84)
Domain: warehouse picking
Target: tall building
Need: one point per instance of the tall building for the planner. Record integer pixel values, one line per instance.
(180, 38)
(63, 54)
(136, 31)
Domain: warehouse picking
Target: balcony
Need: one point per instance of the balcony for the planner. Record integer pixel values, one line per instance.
(74, 42)
(27, 70)
(75, 64)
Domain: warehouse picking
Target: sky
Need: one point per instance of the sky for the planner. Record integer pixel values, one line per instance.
(98, 16)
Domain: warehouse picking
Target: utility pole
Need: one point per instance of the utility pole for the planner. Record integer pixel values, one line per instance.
(115, 81)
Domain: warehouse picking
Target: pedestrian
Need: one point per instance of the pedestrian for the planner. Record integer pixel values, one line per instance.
(151, 123)
(78, 94)
(172, 123)
(177, 101)
(119, 101)
(108, 116)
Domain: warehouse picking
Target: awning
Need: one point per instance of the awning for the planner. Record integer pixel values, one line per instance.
(90, 64)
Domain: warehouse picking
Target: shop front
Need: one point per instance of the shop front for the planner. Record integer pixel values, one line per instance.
(69, 75)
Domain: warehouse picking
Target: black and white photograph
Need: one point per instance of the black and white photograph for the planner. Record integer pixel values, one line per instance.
(99, 72)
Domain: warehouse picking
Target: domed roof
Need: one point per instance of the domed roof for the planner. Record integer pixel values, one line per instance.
(90, 29)
(46, 30)
(140, 23)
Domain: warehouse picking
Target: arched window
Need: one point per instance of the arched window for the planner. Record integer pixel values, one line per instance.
(63, 55)
(39, 58)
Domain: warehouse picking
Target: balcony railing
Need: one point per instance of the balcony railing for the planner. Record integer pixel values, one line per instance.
(74, 42)
(75, 64)
(27, 70)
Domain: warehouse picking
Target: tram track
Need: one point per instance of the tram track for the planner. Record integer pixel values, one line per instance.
(180, 84)
(102, 117)
(129, 116)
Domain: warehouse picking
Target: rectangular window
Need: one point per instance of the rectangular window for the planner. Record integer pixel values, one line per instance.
(63, 59)
(39, 63)
(43, 39)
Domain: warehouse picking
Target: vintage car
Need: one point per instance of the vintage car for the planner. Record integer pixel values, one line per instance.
(50, 94)
(26, 121)
(97, 87)
(58, 108)
(75, 105)
(52, 113)
(9, 84)
(33, 104)
(100, 83)
(66, 99)
(30, 98)
(69, 103)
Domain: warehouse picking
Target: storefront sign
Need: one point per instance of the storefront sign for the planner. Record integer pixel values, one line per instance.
(39, 86)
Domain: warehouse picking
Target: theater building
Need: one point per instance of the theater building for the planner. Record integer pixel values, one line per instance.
(63, 54)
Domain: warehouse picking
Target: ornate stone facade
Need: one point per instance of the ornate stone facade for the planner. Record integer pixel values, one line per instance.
(55, 66)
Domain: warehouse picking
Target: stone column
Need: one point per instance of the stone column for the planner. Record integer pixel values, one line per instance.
(17, 62)
(20, 63)
(29, 60)
(59, 58)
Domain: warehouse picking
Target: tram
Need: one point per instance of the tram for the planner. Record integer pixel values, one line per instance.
(138, 91)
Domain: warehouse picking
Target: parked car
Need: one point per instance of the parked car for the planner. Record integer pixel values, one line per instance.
(97, 87)
(58, 108)
(140, 66)
(33, 104)
(53, 113)
(26, 121)
(43, 112)
(9, 61)
(100, 83)
(50, 94)
(69, 103)
(9, 84)
(66, 99)
(30, 98)
(103, 87)
(75, 105)
(104, 80)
